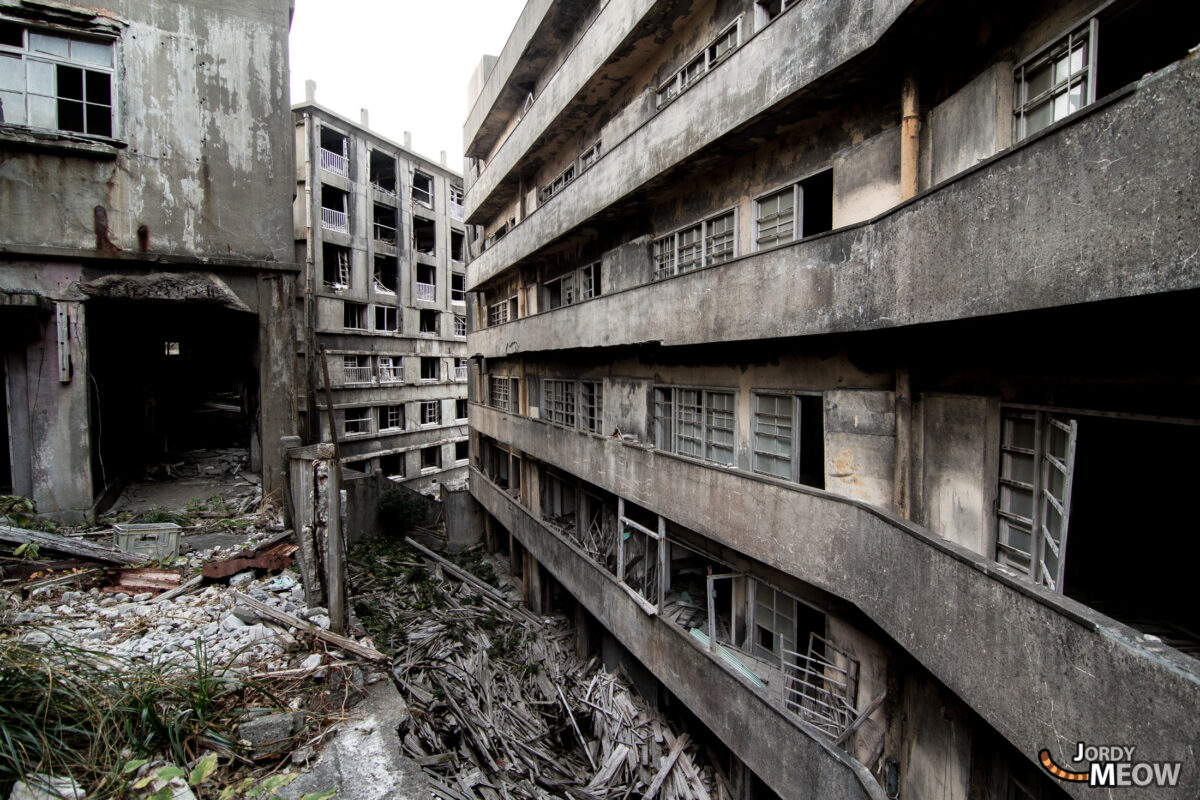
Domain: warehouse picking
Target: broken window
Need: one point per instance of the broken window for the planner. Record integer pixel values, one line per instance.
(431, 457)
(458, 284)
(387, 277)
(422, 189)
(48, 80)
(431, 412)
(695, 422)
(424, 238)
(559, 401)
(431, 368)
(385, 224)
(805, 206)
(335, 266)
(460, 326)
(589, 281)
(391, 369)
(777, 447)
(498, 392)
(561, 291)
(591, 401)
(709, 56)
(392, 465)
(391, 417)
(1056, 83)
(457, 239)
(460, 369)
(383, 172)
(358, 420)
(354, 316)
(460, 408)
(333, 152)
(456, 202)
(426, 283)
(558, 501)
(709, 242)
(640, 556)
(334, 205)
(462, 451)
(356, 369)
(387, 319)
(171, 348)
(498, 313)
(429, 321)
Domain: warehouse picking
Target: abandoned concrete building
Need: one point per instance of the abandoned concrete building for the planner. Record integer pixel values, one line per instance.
(146, 261)
(804, 337)
(379, 229)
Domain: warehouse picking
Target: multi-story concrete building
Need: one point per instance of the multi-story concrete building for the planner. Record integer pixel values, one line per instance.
(380, 231)
(146, 272)
(806, 334)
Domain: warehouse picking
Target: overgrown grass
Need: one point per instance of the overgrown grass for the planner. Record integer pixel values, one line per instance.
(68, 710)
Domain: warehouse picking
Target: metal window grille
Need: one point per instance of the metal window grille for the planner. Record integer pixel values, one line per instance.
(774, 420)
(1056, 83)
(560, 401)
(820, 686)
(460, 326)
(498, 313)
(498, 392)
(718, 239)
(592, 402)
(777, 218)
(695, 422)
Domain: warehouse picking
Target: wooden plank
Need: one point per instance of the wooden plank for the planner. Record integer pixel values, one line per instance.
(340, 642)
(667, 763)
(70, 546)
(182, 588)
(860, 719)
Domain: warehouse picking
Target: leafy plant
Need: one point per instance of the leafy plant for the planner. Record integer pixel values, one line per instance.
(29, 550)
(19, 510)
(401, 508)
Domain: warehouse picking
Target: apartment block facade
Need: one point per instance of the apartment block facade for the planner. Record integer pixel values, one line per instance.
(379, 230)
(146, 271)
(805, 337)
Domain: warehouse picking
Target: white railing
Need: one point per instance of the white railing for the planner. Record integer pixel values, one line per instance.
(460, 372)
(334, 162)
(384, 190)
(456, 211)
(425, 292)
(334, 220)
(357, 374)
(385, 233)
(393, 374)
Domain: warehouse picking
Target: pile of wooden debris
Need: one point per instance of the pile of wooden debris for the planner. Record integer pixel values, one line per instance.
(501, 706)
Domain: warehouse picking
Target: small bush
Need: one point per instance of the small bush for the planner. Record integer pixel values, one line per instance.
(401, 509)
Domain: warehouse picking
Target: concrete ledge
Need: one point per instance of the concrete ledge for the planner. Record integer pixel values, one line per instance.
(778, 748)
(1029, 661)
(1102, 208)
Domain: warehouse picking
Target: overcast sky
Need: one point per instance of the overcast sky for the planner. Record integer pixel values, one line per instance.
(406, 61)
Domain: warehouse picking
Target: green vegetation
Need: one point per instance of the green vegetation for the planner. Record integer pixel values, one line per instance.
(401, 509)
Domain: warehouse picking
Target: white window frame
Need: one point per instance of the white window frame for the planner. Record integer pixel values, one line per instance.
(1082, 39)
(671, 413)
(498, 313)
(670, 250)
(390, 314)
(356, 369)
(431, 412)
(498, 392)
(391, 369)
(391, 418)
(699, 64)
(360, 424)
(559, 401)
(460, 326)
(362, 310)
(591, 406)
(438, 368)
(797, 221)
(428, 197)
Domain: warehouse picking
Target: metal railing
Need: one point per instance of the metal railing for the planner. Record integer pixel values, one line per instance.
(425, 291)
(384, 190)
(456, 210)
(385, 233)
(818, 687)
(391, 374)
(334, 220)
(460, 372)
(359, 374)
(334, 162)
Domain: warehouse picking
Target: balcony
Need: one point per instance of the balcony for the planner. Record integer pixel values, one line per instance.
(456, 210)
(426, 292)
(976, 621)
(1007, 244)
(385, 234)
(333, 162)
(334, 220)
(360, 374)
(460, 372)
(391, 375)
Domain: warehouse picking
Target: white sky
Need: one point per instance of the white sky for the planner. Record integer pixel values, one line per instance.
(406, 61)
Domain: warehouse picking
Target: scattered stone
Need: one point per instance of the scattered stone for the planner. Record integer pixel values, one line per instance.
(312, 662)
(47, 787)
(309, 613)
(270, 735)
(71, 598)
(231, 623)
(242, 578)
(142, 597)
(245, 615)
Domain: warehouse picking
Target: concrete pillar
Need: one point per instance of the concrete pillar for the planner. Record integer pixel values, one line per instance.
(902, 485)
(583, 632)
(408, 140)
(276, 373)
(310, 91)
(365, 117)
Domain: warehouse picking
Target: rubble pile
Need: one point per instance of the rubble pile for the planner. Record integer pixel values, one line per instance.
(501, 706)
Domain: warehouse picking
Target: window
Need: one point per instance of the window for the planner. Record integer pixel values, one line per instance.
(426, 283)
(387, 319)
(334, 206)
(354, 316)
(335, 266)
(695, 422)
(1056, 83)
(456, 194)
(429, 321)
(460, 326)
(589, 281)
(558, 184)
(430, 368)
(770, 9)
(462, 450)
(681, 251)
(171, 348)
(777, 449)
(63, 83)
(422, 189)
(387, 270)
(391, 369)
(1037, 464)
(498, 313)
(591, 401)
(456, 245)
(358, 420)
(383, 172)
(333, 151)
(424, 236)
(356, 369)
(384, 229)
(431, 457)
(460, 369)
(712, 54)
(391, 417)
(589, 156)
(458, 288)
(805, 207)
(392, 465)
(639, 553)
(580, 284)
(460, 408)
(498, 392)
(431, 412)
(560, 401)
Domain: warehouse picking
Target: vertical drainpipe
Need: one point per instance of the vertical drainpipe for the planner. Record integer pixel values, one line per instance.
(910, 131)
(309, 267)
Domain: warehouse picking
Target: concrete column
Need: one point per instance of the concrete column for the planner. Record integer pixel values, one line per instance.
(276, 373)
(902, 485)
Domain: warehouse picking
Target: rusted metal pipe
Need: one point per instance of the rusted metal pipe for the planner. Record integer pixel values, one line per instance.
(910, 133)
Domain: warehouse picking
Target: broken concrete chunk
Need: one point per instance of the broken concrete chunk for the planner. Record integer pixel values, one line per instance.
(269, 735)
(242, 578)
(47, 787)
(245, 615)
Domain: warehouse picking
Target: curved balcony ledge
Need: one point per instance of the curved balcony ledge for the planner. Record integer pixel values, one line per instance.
(1100, 208)
(1010, 649)
(780, 750)
(807, 42)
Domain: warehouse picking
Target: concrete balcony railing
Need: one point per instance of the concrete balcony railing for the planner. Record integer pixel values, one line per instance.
(334, 220)
(1006, 241)
(333, 162)
(794, 761)
(1008, 648)
(796, 49)
(425, 292)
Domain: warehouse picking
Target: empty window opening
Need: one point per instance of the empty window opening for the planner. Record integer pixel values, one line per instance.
(334, 149)
(424, 236)
(354, 316)
(387, 319)
(422, 189)
(391, 418)
(461, 450)
(460, 408)
(558, 500)
(334, 207)
(384, 228)
(1125, 53)
(789, 437)
(458, 290)
(431, 457)
(387, 274)
(383, 172)
(361, 465)
(58, 82)
(429, 321)
(639, 554)
(460, 369)
(430, 368)
(392, 466)
(171, 348)
(426, 283)
(591, 402)
(357, 420)
(457, 240)
(356, 369)
(580, 284)
(431, 412)
(335, 266)
(799, 210)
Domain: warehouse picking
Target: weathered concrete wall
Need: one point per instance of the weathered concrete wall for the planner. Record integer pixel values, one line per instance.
(867, 179)
(979, 630)
(974, 124)
(961, 448)
(464, 518)
(860, 445)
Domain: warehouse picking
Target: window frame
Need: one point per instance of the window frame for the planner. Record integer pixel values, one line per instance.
(428, 202)
(460, 326)
(391, 418)
(499, 395)
(1046, 56)
(591, 406)
(798, 199)
(364, 418)
(701, 62)
(559, 401)
(669, 427)
(669, 245)
(431, 412)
